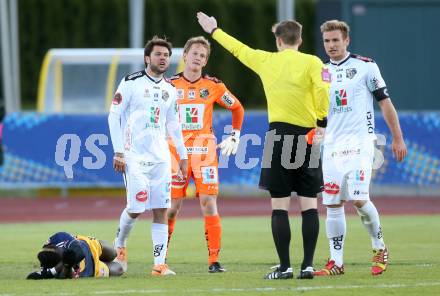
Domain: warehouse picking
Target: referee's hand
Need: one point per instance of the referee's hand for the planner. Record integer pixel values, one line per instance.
(208, 23)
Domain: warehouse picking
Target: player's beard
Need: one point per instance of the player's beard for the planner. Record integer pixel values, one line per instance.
(156, 70)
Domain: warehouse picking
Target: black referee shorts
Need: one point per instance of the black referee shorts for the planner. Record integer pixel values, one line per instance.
(294, 168)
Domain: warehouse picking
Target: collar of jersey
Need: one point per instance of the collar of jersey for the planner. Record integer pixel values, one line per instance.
(195, 81)
(152, 79)
(341, 62)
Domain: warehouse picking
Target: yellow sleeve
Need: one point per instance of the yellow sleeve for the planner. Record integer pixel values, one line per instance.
(321, 85)
(251, 58)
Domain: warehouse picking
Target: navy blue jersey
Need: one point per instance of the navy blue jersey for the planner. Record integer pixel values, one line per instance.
(83, 258)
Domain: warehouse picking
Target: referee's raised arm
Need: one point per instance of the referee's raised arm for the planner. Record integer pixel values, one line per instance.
(296, 87)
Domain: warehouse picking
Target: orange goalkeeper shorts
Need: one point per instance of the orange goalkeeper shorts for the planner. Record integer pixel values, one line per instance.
(202, 167)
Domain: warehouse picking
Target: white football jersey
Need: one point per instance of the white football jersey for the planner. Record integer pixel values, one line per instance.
(145, 107)
(355, 81)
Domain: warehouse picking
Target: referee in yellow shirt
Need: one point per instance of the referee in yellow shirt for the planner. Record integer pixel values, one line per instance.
(297, 93)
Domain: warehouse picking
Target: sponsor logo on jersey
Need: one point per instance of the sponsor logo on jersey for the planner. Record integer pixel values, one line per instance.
(325, 75)
(227, 99)
(331, 188)
(350, 73)
(197, 150)
(370, 122)
(191, 116)
(339, 77)
(167, 187)
(147, 93)
(375, 83)
(341, 102)
(165, 95)
(142, 196)
(209, 175)
(341, 97)
(204, 93)
(191, 94)
(117, 99)
(360, 175)
(154, 117)
(180, 93)
(135, 75)
(346, 152)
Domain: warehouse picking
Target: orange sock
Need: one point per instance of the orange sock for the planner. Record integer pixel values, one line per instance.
(171, 223)
(213, 234)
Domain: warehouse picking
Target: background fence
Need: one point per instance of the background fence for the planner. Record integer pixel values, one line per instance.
(70, 151)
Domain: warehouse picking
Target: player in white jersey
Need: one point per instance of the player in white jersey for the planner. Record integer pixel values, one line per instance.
(349, 145)
(143, 112)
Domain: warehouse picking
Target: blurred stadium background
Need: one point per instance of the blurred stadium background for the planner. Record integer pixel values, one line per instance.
(61, 62)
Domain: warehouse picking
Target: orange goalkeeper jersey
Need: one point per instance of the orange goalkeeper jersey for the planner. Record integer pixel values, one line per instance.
(196, 103)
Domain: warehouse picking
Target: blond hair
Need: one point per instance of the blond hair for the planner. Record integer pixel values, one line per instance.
(334, 25)
(198, 40)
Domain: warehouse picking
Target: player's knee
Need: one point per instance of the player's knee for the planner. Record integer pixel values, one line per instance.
(359, 203)
(209, 205)
(172, 213)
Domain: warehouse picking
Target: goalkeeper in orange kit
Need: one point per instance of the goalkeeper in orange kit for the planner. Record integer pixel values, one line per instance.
(196, 95)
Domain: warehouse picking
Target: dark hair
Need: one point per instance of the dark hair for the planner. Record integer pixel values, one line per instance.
(156, 41)
(50, 256)
(288, 31)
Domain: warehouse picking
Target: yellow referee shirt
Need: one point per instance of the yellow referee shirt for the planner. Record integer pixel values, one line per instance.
(296, 84)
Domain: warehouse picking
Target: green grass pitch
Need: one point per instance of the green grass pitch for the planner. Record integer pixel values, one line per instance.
(247, 253)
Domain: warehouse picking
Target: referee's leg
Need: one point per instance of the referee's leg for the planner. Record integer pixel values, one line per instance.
(310, 229)
(281, 229)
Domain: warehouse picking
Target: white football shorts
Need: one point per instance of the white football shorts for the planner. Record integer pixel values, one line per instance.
(347, 172)
(148, 185)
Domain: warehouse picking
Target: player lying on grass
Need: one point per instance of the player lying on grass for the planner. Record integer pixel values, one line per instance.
(65, 256)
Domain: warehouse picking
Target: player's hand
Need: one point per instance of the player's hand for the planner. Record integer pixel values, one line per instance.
(399, 149)
(315, 136)
(119, 162)
(36, 275)
(230, 145)
(319, 135)
(43, 274)
(183, 166)
(208, 23)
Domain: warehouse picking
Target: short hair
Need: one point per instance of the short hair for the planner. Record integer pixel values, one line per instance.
(197, 40)
(288, 31)
(334, 25)
(156, 41)
(50, 256)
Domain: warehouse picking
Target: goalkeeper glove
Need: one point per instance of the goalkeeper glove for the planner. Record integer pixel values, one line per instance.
(230, 145)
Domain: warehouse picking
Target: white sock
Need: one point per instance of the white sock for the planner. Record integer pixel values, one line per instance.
(159, 235)
(126, 223)
(336, 229)
(370, 219)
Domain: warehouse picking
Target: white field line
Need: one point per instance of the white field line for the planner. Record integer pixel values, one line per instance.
(245, 290)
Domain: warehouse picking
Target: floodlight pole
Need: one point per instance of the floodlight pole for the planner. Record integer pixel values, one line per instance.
(285, 10)
(136, 17)
(9, 43)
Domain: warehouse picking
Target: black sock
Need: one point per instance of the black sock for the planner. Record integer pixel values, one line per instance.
(281, 236)
(310, 231)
